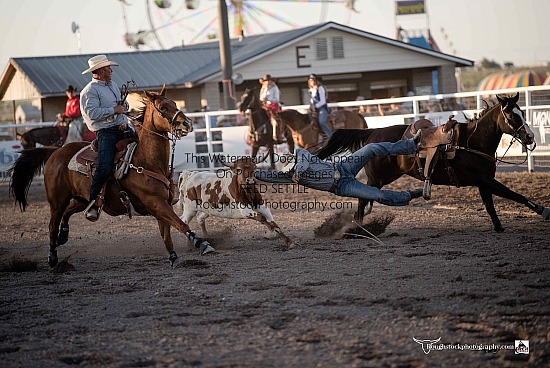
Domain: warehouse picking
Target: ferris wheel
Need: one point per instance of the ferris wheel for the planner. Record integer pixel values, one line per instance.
(170, 23)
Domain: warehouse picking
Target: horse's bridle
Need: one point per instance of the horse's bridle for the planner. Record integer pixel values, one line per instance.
(516, 131)
(177, 133)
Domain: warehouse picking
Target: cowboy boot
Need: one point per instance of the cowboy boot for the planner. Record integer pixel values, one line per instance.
(93, 211)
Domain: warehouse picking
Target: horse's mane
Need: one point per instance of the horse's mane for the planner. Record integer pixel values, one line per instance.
(344, 140)
(478, 115)
(139, 113)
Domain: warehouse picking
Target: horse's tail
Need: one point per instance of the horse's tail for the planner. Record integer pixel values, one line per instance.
(344, 140)
(26, 167)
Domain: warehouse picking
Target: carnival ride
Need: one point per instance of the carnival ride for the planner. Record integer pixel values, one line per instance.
(166, 26)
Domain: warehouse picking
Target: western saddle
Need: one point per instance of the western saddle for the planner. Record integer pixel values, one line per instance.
(436, 142)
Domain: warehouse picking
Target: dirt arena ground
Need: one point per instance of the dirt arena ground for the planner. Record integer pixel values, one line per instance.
(441, 272)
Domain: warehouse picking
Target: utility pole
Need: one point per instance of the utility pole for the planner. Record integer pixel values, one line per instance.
(225, 58)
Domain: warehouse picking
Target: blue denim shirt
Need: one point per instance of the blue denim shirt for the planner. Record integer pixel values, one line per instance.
(312, 172)
(97, 102)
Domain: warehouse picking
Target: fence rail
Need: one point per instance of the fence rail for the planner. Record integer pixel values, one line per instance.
(225, 132)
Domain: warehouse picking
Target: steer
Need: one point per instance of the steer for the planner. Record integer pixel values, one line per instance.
(231, 195)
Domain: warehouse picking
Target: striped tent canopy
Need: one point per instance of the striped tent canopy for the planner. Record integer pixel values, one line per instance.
(523, 79)
(503, 80)
(492, 81)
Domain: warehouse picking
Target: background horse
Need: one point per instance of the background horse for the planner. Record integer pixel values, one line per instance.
(147, 183)
(260, 128)
(73, 130)
(307, 134)
(46, 136)
(474, 163)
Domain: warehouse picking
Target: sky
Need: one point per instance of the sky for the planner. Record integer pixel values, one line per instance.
(500, 30)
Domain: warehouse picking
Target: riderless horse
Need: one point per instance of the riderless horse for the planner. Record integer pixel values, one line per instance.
(67, 131)
(46, 136)
(474, 147)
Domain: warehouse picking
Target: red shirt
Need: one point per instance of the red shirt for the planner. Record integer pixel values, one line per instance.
(72, 110)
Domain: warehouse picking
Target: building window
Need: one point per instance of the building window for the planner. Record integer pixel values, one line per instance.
(338, 47)
(321, 48)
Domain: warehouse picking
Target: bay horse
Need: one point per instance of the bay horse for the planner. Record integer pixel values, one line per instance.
(148, 183)
(474, 163)
(306, 133)
(259, 125)
(46, 136)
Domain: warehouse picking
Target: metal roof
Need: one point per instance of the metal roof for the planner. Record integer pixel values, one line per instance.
(177, 67)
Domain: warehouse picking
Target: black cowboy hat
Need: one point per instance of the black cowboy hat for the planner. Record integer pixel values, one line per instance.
(70, 88)
(315, 77)
(266, 77)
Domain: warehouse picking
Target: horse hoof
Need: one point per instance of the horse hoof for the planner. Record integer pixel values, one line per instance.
(206, 248)
(52, 259)
(546, 214)
(63, 235)
(174, 260)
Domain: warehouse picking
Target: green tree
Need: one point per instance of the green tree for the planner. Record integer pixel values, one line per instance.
(489, 64)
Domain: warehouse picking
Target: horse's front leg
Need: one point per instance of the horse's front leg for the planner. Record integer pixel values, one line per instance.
(503, 191)
(289, 140)
(163, 212)
(487, 198)
(255, 150)
(271, 155)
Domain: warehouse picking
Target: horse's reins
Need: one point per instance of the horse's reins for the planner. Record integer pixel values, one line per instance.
(515, 136)
(175, 136)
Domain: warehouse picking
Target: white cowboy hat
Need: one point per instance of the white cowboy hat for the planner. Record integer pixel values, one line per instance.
(98, 61)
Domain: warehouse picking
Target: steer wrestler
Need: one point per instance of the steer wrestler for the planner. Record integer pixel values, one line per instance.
(339, 178)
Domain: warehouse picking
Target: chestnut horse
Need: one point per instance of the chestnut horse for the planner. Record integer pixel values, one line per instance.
(260, 128)
(474, 163)
(147, 183)
(307, 134)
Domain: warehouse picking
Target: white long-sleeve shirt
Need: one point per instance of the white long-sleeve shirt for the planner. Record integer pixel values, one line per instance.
(97, 103)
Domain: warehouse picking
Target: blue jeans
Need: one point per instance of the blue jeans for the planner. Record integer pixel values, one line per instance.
(349, 167)
(106, 142)
(322, 116)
